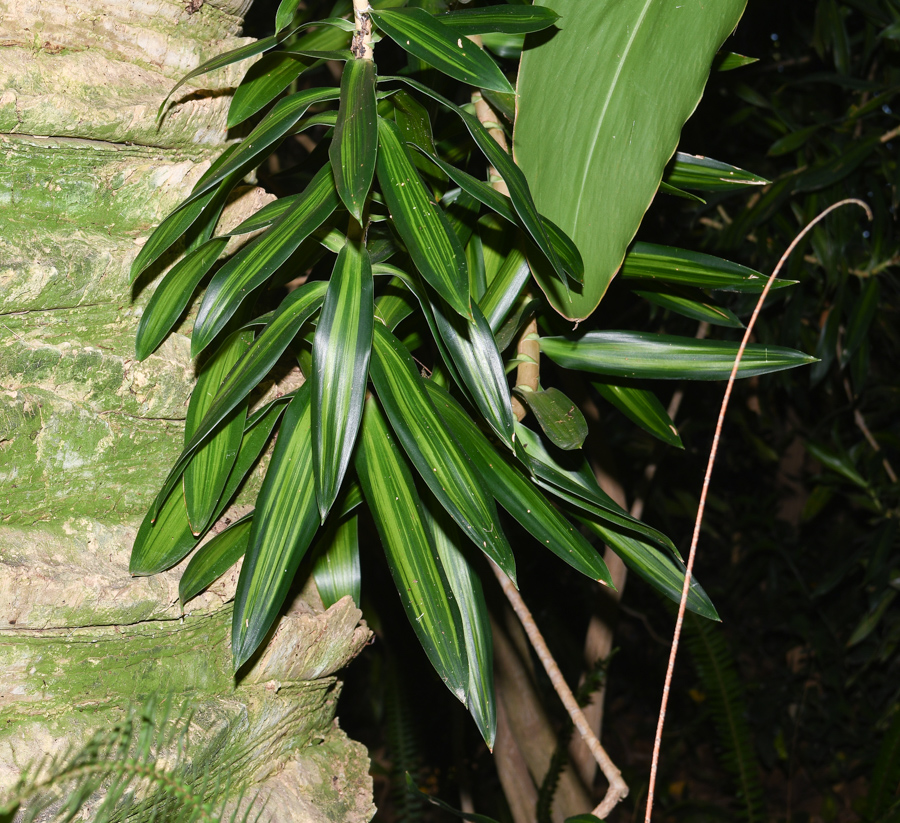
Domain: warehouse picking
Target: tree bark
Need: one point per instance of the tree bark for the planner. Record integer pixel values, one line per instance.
(87, 434)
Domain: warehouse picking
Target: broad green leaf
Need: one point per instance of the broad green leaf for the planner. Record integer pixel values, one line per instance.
(569, 477)
(666, 357)
(161, 544)
(687, 171)
(662, 571)
(285, 13)
(173, 294)
(340, 366)
(504, 290)
(435, 453)
(258, 260)
(643, 407)
(264, 81)
(215, 558)
(475, 261)
(689, 268)
(390, 492)
(355, 142)
(691, 304)
(205, 476)
(559, 418)
(394, 304)
(336, 570)
(254, 366)
(412, 119)
(517, 494)
(594, 149)
(432, 244)
(476, 625)
(471, 345)
(420, 33)
(284, 523)
(508, 19)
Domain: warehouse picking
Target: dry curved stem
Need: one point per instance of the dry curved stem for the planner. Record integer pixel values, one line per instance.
(657, 743)
(618, 788)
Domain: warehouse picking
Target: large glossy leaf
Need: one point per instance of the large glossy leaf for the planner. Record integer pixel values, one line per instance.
(594, 149)
(215, 558)
(643, 407)
(690, 268)
(355, 142)
(340, 366)
(160, 544)
(688, 171)
(435, 453)
(284, 523)
(559, 418)
(205, 476)
(508, 19)
(257, 261)
(173, 294)
(666, 357)
(476, 624)
(662, 571)
(422, 226)
(390, 492)
(442, 47)
(254, 366)
(336, 570)
(517, 494)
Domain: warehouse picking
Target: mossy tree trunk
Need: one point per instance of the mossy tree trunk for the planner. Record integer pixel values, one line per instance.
(86, 433)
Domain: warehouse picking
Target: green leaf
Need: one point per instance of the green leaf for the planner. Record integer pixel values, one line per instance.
(476, 625)
(666, 357)
(336, 570)
(432, 244)
(687, 171)
(504, 290)
(215, 558)
(839, 463)
(663, 572)
(435, 453)
(666, 188)
(161, 544)
(295, 309)
(690, 268)
(523, 311)
(173, 294)
(440, 46)
(517, 494)
(205, 476)
(559, 418)
(728, 61)
(643, 407)
(504, 18)
(390, 492)
(434, 801)
(258, 260)
(285, 14)
(284, 523)
(264, 81)
(412, 119)
(471, 345)
(594, 149)
(691, 304)
(355, 142)
(340, 366)
(861, 318)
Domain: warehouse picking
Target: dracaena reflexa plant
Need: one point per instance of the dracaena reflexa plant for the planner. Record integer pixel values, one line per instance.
(407, 249)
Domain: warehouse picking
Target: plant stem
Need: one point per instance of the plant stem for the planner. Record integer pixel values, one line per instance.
(361, 46)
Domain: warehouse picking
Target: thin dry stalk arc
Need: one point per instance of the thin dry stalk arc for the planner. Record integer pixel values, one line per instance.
(706, 478)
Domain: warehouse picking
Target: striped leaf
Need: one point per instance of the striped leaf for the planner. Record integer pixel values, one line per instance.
(173, 294)
(687, 171)
(508, 19)
(284, 523)
(666, 357)
(336, 570)
(476, 625)
(691, 303)
(253, 367)
(340, 366)
(257, 261)
(205, 476)
(559, 418)
(390, 493)
(285, 13)
(215, 558)
(517, 494)
(162, 543)
(355, 142)
(438, 45)
(504, 290)
(643, 407)
(434, 452)
(432, 244)
(264, 81)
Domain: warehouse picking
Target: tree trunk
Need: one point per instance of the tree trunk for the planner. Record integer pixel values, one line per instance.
(87, 434)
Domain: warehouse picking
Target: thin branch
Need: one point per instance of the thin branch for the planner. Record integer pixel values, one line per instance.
(706, 478)
(618, 788)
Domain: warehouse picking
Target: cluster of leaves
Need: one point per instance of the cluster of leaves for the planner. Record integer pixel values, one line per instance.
(396, 226)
